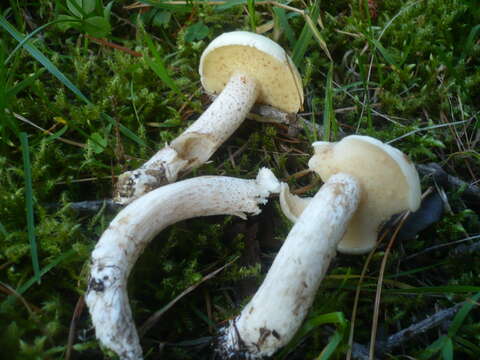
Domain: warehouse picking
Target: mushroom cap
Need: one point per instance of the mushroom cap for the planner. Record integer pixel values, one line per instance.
(388, 179)
(278, 81)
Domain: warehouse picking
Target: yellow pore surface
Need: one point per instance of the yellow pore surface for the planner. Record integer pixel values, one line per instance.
(278, 82)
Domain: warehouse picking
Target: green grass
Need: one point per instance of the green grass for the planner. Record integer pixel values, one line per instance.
(406, 75)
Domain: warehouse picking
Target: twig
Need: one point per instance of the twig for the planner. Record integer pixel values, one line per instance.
(360, 351)
(92, 206)
(443, 178)
(114, 46)
(414, 330)
(464, 249)
(457, 251)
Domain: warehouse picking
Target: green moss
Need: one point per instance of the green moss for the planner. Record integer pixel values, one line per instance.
(407, 71)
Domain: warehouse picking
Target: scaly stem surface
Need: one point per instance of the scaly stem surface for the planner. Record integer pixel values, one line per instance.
(132, 229)
(196, 144)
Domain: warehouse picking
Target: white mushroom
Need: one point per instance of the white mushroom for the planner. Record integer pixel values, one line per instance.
(366, 182)
(389, 180)
(243, 68)
(132, 229)
(278, 308)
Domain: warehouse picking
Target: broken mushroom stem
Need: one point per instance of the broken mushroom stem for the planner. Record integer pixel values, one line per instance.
(243, 68)
(280, 305)
(133, 228)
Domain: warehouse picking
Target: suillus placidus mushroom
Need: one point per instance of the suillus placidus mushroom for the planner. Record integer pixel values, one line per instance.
(366, 182)
(134, 227)
(243, 68)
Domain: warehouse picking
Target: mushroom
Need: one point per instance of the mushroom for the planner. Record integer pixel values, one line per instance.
(132, 229)
(389, 180)
(278, 308)
(243, 68)
(366, 182)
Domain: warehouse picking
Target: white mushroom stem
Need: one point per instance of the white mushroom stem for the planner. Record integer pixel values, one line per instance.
(278, 308)
(196, 144)
(132, 229)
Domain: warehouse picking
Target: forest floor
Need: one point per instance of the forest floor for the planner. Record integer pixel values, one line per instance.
(98, 87)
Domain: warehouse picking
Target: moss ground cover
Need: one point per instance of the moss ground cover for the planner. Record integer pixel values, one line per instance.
(98, 87)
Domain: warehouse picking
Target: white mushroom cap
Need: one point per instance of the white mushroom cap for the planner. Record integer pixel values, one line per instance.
(389, 182)
(256, 56)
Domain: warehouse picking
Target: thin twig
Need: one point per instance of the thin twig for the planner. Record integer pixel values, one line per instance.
(435, 247)
(439, 175)
(414, 330)
(360, 352)
(92, 206)
(114, 46)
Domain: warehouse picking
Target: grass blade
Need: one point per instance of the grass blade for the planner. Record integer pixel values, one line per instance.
(329, 122)
(28, 284)
(38, 55)
(24, 83)
(158, 66)
(318, 36)
(3, 231)
(251, 15)
(462, 314)
(124, 130)
(42, 59)
(27, 168)
(29, 36)
(282, 19)
(305, 37)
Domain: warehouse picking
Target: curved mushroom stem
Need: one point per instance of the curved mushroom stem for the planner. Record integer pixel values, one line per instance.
(132, 229)
(278, 308)
(195, 145)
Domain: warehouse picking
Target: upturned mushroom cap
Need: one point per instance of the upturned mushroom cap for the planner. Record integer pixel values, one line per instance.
(256, 56)
(388, 179)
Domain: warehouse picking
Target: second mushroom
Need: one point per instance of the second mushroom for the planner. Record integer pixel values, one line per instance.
(366, 182)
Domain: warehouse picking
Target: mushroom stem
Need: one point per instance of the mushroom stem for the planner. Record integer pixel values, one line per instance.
(196, 144)
(277, 310)
(132, 229)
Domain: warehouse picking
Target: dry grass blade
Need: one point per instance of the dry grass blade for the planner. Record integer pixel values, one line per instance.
(66, 141)
(378, 294)
(73, 325)
(357, 297)
(152, 320)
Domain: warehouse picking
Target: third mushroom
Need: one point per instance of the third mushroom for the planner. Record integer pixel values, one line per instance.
(243, 68)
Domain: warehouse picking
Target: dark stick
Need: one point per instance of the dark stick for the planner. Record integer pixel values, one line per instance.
(439, 175)
(360, 352)
(92, 206)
